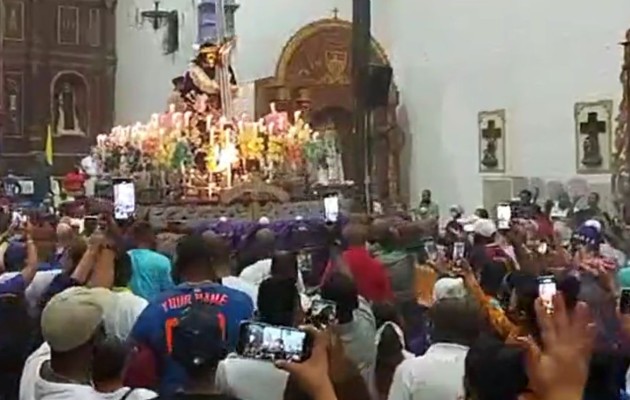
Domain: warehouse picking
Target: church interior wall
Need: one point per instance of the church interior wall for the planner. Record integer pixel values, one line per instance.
(451, 60)
(535, 59)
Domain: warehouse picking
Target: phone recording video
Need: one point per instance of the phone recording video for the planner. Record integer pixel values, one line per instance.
(624, 301)
(305, 262)
(260, 341)
(431, 249)
(322, 313)
(504, 216)
(459, 248)
(124, 199)
(546, 290)
(331, 208)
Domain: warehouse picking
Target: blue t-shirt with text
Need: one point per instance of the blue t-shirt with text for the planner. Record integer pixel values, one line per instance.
(153, 327)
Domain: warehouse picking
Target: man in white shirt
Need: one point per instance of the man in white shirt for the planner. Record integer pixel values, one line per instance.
(71, 324)
(439, 373)
(89, 165)
(248, 379)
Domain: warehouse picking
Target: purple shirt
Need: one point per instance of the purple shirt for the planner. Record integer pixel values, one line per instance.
(15, 285)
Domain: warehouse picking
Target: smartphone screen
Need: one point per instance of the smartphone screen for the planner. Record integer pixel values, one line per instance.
(624, 301)
(431, 249)
(305, 262)
(323, 313)
(458, 250)
(124, 199)
(331, 208)
(271, 343)
(504, 215)
(546, 290)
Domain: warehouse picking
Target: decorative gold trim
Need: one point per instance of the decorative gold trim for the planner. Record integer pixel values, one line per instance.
(294, 43)
(87, 100)
(23, 22)
(76, 28)
(607, 168)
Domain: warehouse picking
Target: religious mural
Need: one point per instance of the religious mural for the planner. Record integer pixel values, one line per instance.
(593, 136)
(492, 155)
(70, 115)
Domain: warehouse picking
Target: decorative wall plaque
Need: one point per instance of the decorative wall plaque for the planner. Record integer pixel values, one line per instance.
(94, 28)
(67, 25)
(13, 20)
(593, 123)
(14, 103)
(492, 141)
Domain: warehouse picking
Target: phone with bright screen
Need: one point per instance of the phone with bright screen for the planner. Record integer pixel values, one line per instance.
(624, 301)
(504, 215)
(124, 199)
(323, 313)
(265, 342)
(431, 249)
(546, 290)
(331, 208)
(459, 248)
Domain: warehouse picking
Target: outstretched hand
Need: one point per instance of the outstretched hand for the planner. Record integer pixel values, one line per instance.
(560, 370)
(312, 374)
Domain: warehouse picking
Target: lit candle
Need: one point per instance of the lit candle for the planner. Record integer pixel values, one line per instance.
(209, 123)
(187, 117)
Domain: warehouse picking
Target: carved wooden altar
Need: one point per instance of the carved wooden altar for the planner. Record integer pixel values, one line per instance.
(313, 75)
(49, 51)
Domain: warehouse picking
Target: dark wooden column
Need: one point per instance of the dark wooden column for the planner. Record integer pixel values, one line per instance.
(361, 37)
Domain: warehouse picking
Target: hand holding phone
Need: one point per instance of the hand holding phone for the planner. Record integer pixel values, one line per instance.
(273, 343)
(504, 216)
(546, 290)
(459, 249)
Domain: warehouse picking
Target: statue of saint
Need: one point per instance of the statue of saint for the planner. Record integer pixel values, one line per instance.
(201, 77)
(67, 111)
(334, 164)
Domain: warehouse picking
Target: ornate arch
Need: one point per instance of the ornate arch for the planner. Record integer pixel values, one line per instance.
(295, 42)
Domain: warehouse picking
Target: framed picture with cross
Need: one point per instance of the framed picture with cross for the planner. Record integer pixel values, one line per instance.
(593, 136)
(492, 155)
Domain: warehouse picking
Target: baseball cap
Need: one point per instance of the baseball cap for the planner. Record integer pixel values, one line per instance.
(449, 288)
(199, 337)
(484, 227)
(72, 317)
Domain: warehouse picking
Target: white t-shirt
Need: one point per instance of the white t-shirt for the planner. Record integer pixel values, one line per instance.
(238, 283)
(33, 387)
(437, 375)
(248, 379)
(136, 394)
(261, 270)
(123, 313)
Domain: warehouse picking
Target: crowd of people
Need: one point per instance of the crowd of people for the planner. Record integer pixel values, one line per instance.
(116, 314)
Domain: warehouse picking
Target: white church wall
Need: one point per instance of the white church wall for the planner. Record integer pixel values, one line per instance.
(144, 73)
(535, 59)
